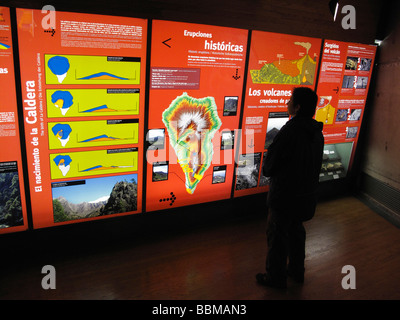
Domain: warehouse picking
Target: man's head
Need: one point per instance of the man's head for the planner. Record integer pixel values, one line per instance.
(303, 102)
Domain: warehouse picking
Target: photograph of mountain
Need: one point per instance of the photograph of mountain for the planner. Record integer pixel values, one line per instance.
(276, 120)
(156, 138)
(95, 197)
(10, 200)
(227, 140)
(160, 171)
(219, 174)
(230, 106)
(247, 171)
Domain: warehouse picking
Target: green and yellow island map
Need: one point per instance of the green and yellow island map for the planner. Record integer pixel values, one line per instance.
(282, 71)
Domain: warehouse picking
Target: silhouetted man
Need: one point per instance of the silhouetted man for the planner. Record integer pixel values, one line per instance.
(293, 164)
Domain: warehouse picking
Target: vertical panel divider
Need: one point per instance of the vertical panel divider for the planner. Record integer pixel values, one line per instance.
(319, 64)
(146, 115)
(238, 138)
(21, 124)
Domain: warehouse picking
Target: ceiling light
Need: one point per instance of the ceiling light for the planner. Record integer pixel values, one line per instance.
(333, 7)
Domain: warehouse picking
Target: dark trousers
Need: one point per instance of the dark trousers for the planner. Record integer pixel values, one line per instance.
(286, 239)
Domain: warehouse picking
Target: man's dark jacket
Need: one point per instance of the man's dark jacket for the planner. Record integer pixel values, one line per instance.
(293, 163)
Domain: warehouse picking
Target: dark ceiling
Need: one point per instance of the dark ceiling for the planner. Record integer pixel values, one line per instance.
(301, 17)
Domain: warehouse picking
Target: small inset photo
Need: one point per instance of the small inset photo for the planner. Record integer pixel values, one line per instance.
(351, 63)
(227, 140)
(351, 132)
(341, 115)
(355, 115)
(348, 82)
(230, 106)
(361, 82)
(160, 171)
(156, 138)
(219, 174)
(365, 64)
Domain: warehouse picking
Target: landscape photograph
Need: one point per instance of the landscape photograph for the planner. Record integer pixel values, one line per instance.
(89, 198)
(276, 120)
(219, 174)
(10, 200)
(248, 170)
(230, 106)
(160, 171)
(156, 138)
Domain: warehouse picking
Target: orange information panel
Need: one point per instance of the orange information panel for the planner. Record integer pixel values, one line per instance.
(343, 84)
(196, 85)
(277, 64)
(13, 215)
(83, 93)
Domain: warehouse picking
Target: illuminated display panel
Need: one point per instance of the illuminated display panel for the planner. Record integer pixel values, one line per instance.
(196, 84)
(83, 93)
(277, 64)
(343, 84)
(13, 215)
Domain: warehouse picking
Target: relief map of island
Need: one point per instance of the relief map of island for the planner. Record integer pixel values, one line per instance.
(283, 71)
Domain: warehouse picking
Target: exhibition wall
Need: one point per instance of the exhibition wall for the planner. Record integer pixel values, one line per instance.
(380, 153)
(126, 115)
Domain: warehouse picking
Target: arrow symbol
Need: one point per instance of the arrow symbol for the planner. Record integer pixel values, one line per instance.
(170, 198)
(251, 145)
(337, 89)
(52, 31)
(236, 77)
(165, 42)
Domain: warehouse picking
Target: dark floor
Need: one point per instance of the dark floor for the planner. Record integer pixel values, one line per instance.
(219, 262)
